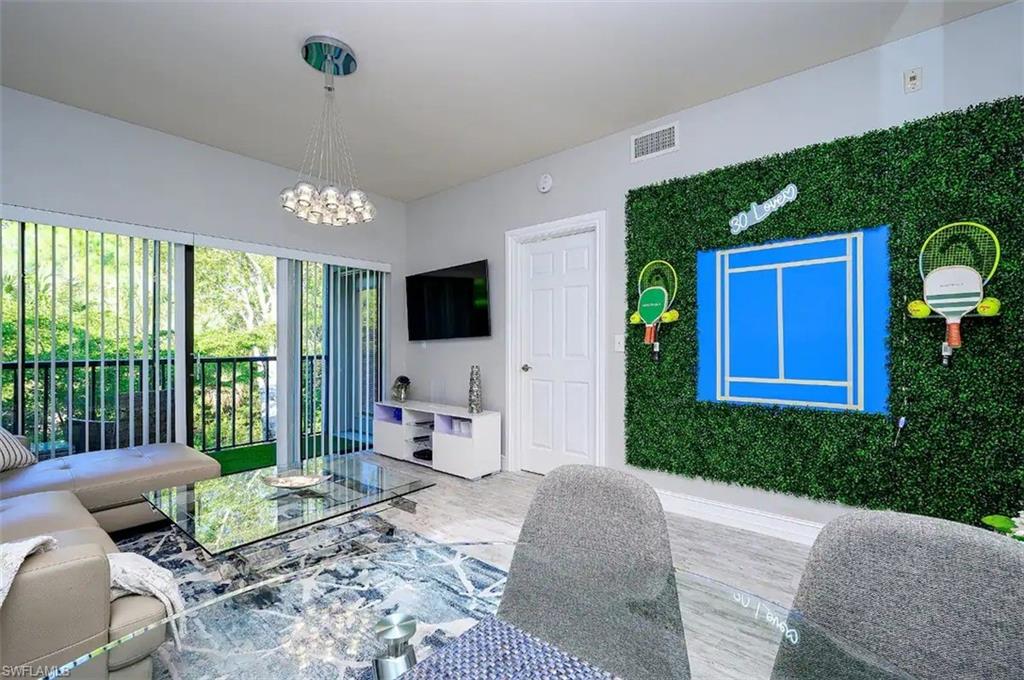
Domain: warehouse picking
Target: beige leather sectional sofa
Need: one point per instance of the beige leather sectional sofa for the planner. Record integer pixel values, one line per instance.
(59, 605)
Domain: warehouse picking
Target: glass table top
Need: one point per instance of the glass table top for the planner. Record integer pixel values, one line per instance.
(319, 622)
(235, 510)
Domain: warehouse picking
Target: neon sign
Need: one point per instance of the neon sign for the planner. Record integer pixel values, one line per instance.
(760, 211)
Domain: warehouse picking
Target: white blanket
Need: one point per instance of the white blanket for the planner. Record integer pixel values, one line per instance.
(135, 574)
(13, 554)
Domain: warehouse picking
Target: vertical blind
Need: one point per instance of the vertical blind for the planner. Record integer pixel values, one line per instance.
(88, 338)
(341, 327)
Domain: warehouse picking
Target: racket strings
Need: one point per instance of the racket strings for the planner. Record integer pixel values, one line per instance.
(657, 280)
(961, 245)
(659, 276)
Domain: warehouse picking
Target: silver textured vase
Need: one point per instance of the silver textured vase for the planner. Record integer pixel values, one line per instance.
(476, 397)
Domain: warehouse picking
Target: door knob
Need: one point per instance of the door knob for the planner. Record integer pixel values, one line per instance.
(526, 367)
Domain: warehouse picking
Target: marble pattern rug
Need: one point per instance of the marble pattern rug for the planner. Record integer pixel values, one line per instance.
(309, 599)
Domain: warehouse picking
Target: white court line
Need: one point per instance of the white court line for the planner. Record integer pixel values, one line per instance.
(860, 319)
(722, 344)
(778, 323)
(718, 327)
(769, 246)
(849, 324)
(790, 381)
(794, 402)
(725, 260)
(787, 265)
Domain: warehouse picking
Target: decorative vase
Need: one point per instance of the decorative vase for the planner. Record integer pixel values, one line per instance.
(476, 397)
(400, 388)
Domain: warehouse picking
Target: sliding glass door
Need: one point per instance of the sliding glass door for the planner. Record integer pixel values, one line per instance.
(93, 323)
(341, 358)
(88, 338)
(235, 350)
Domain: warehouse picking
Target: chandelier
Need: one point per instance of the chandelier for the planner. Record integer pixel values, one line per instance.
(327, 189)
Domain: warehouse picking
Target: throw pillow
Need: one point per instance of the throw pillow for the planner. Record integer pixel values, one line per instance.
(13, 454)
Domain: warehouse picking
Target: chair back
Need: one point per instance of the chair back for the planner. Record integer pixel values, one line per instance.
(592, 574)
(933, 598)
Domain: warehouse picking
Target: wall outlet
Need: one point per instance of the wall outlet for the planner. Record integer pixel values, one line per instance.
(912, 80)
(620, 343)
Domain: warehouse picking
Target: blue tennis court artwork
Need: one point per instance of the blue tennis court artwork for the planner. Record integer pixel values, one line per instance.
(796, 323)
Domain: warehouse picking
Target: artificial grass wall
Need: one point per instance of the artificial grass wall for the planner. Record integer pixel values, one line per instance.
(961, 455)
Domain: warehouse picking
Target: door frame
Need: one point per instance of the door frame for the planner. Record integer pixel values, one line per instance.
(515, 240)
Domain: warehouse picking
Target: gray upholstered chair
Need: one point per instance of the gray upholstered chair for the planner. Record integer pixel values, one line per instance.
(593, 574)
(936, 599)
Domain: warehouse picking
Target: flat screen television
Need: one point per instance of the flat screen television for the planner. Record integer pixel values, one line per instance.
(449, 303)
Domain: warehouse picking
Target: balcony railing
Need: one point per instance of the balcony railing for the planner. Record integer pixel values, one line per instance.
(234, 402)
(105, 407)
(234, 396)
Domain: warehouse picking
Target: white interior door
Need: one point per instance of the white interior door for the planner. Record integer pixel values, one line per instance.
(558, 368)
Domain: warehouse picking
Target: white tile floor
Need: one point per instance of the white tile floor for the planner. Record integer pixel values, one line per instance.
(720, 644)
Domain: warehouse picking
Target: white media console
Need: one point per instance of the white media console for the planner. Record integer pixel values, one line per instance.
(463, 443)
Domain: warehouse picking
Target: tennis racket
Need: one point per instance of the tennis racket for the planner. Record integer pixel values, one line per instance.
(657, 285)
(947, 254)
(966, 244)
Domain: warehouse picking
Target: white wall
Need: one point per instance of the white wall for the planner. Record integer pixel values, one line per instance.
(973, 60)
(59, 158)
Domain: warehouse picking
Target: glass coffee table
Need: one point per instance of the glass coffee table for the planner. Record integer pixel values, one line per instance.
(324, 621)
(238, 510)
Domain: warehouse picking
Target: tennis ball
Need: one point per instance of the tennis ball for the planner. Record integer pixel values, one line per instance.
(634, 318)
(670, 316)
(918, 309)
(989, 306)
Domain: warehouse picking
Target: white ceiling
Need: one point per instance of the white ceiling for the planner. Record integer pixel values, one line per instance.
(445, 92)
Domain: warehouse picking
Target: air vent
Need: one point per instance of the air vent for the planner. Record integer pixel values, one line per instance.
(654, 142)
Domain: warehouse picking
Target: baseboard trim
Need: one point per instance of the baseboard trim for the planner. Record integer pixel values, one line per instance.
(778, 526)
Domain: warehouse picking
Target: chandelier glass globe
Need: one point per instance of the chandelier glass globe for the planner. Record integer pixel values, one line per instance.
(288, 200)
(367, 212)
(356, 198)
(331, 198)
(327, 189)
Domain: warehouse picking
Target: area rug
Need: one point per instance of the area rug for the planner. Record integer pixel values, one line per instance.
(308, 599)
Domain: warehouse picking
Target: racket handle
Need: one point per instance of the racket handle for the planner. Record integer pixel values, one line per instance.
(953, 334)
(649, 335)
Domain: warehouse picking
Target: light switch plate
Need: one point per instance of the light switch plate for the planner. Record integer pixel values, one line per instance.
(912, 80)
(620, 343)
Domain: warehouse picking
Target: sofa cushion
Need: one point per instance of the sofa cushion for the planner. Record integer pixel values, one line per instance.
(42, 513)
(91, 536)
(105, 479)
(53, 513)
(61, 514)
(47, 475)
(110, 478)
(57, 609)
(127, 615)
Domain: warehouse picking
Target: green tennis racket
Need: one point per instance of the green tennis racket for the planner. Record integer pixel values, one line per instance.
(657, 286)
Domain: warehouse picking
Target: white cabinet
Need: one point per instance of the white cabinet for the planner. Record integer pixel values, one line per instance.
(461, 443)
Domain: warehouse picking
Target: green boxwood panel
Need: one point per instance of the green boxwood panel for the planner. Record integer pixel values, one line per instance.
(961, 455)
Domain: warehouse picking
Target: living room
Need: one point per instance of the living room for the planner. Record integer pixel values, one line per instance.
(512, 340)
